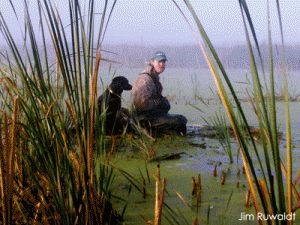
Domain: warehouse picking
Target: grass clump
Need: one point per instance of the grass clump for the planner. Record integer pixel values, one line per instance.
(222, 133)
(55, 174)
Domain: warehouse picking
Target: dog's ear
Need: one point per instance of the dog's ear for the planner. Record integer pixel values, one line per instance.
(120, 83)
(116, 84)
(117, 79)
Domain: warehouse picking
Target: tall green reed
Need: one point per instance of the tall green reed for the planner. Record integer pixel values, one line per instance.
(273, 191)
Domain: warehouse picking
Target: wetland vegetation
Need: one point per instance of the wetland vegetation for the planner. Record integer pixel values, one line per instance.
(52, 174)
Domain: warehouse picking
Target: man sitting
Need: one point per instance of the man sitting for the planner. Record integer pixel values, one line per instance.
(149, 105)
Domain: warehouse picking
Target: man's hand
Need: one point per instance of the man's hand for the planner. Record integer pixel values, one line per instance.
(164, 106)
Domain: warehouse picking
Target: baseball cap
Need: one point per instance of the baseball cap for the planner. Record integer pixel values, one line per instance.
(159, 56)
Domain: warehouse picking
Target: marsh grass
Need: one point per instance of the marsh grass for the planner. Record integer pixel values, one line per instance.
(223, 133)
(278, 194)
(144, 141)
(61, 173)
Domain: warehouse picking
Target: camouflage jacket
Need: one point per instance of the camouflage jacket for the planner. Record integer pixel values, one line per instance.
(147, 95)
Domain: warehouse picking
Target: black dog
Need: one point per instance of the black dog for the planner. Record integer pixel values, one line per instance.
(110, 102)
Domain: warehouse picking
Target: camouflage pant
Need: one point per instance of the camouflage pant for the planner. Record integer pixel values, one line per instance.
(166, 122)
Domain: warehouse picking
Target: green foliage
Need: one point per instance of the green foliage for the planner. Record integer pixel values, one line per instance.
(222, 133)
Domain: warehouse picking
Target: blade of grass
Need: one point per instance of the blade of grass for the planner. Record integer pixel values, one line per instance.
(288, 124)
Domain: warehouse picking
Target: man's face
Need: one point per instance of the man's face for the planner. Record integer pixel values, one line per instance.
(160, 66)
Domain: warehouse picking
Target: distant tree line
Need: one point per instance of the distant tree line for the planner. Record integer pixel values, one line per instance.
(191, 56)
(234, 57)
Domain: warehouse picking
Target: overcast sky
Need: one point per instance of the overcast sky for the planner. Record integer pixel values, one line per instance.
(160, 22)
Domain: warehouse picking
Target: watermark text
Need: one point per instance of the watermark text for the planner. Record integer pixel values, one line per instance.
(262, 216)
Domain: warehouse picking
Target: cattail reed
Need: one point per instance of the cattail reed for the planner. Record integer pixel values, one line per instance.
(156, 210)
(199, 182)
(223, 179)
(238, 172)
(237, 184)
(159, 198)
(247, 201)
(195, 222)
(161, 201)
(196, 188)
(215, 170)
(193, 186)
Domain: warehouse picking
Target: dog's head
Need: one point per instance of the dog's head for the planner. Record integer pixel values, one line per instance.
(120, 84)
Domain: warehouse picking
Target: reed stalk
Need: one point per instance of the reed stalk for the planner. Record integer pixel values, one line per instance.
(7, 163)
(156, 209)
(161, 202)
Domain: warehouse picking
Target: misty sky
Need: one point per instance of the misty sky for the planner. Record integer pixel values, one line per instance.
(160, 22)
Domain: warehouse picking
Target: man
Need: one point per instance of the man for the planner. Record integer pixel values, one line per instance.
(149, 105)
